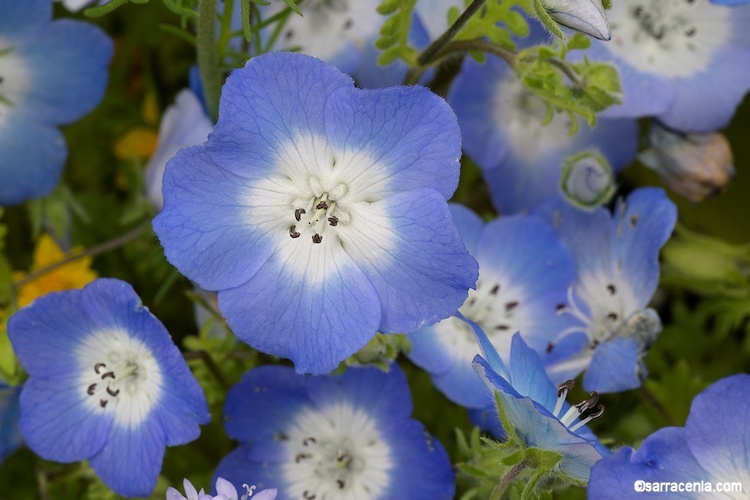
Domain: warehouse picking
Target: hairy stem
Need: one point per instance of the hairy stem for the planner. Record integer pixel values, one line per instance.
(507, 480)
(430, 53)
(509, 56)
(208, 58)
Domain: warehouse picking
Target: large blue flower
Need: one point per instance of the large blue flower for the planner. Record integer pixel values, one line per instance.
(617, 264)
(713, 447)
(10, 437)
(521, 158)
(524, 274)
(537, 410)
(51, 73)
(337, 437)
(106, 383)
(318, 211)
(688, 63)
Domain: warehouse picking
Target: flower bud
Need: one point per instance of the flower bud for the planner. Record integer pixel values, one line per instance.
(697, 166)
(587, 181)
(586, 16)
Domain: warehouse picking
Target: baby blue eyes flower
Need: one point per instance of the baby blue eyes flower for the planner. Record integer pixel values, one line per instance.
(713, 447)
(337, 437)
(617, 264)
(537, 410)
(106, 384)
(318, 211)
(686, 62)
(224, 491)
(51, 73)
(524, 273)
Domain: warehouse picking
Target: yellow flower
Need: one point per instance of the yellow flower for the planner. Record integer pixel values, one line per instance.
(74, 275)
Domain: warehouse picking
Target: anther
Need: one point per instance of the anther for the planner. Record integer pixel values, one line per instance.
(559, 307)
(509, 306)
(502, 327)
(300, 457)
(113, 393)
(108, 375)
(322, 206)
(307, 495)
(293, 232)
(550, 346)
(495, 289)
(333, 220)
(98, 367)
(103, 403)
(341, 483)
(597, 414)
(298, 213)
(613, 316)
(90, 391)
(340, 455)
(565, 386)
(611, 289)
(308, 440)
(633, 220)
(317, 238)
(348, 24)
(588, 403)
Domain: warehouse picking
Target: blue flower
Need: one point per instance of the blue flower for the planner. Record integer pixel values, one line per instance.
(617, 264)
(51, 73)
(537, 410)
(10, 437)
(522, 160)
(345, 436)
(524, 274)
(687, 63)
(342, 33)
(224, 491)
(184, 124)
(106, 384)
(318, 211)
(713, 447)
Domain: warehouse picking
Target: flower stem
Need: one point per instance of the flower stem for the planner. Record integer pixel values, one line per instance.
(208, 59)
(210, 364)
(509, 56)
(430, 53)
(91, 252)
(507, 480)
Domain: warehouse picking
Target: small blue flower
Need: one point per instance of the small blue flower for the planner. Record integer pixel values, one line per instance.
(522, 160)
(524, 274)
(106, 384)
(318, 211)
(687, 63)
(10, 436)
(713, 447)
(184, 124)
(617, 264)
(51, 73)
(537, 410)
(224, 491)
(345, 436)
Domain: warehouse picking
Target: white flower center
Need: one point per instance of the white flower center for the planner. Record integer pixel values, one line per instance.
(119, 375)
(336, 453)
(674, 38)
(13, 76)
(521, 115)
(326, 26)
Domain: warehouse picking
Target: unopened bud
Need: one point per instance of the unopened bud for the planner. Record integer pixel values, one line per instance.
(586, 16)
(587, 180)
(696, 166)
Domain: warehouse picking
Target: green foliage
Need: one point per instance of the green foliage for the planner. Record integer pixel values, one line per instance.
(394, 34)
(381, 351)
(105, 9)
(578, 89)
(498, 21)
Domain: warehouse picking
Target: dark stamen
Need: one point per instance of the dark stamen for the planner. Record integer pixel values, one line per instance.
(502, 327)
(599, 412)
(293, 232)
(113, 393)
(341, 483)
(91, 389)
(298, 213)
(309, 440)
(509, 306)
(611, 289)
(550, 346)
(340, 455)
(103, 403)
(348, 24)
(108, 375)
(613, 316)
(317, 238)
(307, 495)
(322, 206)
(333, 220)
(300, 457)
(560, 307)
(495, 289)
(633, 220)
(588, 403)
(565, 386)
(98, 367)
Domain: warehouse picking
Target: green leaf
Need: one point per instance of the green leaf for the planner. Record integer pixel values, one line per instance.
(394, 33)
(292, 5)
